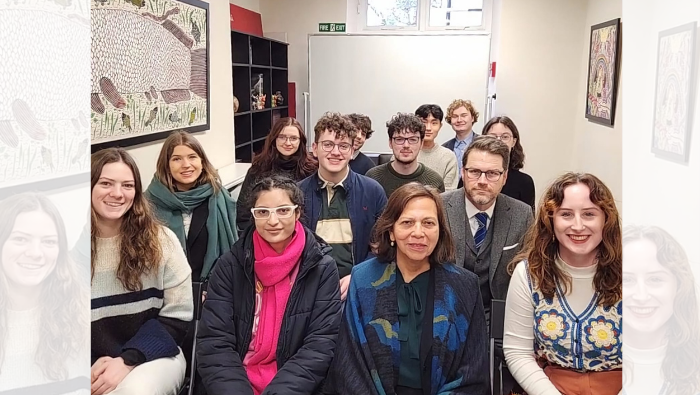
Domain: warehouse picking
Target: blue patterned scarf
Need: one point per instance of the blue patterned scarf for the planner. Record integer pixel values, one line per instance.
(368, 351)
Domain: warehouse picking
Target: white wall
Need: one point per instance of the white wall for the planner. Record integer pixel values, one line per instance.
(218, 141)
(299, 18)
(539, 65)
(598, 148)
(657, 191)
(253, 5)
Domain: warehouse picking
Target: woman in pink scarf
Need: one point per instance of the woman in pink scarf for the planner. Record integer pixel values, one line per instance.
(270, 321)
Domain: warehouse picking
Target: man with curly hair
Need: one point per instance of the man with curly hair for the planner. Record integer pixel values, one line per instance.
(462, 116)
(340, 205)
(360, 163)
(406, 134)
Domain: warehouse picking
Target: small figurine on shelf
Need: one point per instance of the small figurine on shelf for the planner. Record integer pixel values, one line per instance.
(236, 104)
(256, 93)
(277, 99)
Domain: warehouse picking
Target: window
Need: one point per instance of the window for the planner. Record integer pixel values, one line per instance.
(423, 14)
(457, 13)
(392, 13)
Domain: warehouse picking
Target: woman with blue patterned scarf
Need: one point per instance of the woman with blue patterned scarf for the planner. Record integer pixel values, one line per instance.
(413, 323)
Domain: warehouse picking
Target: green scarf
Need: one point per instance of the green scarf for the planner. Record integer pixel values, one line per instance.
(169, 207)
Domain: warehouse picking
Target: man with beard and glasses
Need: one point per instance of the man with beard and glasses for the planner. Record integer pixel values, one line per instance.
(487, 226)
(406, 134)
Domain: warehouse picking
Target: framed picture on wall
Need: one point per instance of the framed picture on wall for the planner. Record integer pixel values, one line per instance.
(150, 70)
(674, 92)
(603, 67)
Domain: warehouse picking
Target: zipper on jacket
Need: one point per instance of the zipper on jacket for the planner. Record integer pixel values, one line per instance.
(248, 332)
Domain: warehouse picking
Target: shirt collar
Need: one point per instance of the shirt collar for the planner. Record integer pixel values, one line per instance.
(469, 137)
(325, 183)
(472, 211)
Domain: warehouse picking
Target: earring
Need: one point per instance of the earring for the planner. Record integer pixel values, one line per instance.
(392, 243)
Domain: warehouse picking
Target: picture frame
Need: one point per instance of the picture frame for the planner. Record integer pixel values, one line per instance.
(144, 89)
(603, 70)
(673, 98)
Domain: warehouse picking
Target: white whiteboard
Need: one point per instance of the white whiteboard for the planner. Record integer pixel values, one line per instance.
(380, 75)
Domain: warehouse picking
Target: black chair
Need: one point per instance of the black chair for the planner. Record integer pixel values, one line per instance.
(384, 158)
(198, 289)
(496, 357)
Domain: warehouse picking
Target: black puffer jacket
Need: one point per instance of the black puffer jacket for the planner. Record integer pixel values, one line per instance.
(309, 328)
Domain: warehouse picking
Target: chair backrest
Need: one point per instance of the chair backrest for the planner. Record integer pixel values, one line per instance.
(197, 289)
(498, 316)
(384, 158)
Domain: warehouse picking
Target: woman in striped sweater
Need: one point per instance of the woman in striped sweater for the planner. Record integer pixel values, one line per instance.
(141, 286)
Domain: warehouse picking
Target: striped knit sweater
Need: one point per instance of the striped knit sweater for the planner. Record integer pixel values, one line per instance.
(144, 325)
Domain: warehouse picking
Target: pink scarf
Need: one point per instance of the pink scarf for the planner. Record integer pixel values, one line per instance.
(274, 272)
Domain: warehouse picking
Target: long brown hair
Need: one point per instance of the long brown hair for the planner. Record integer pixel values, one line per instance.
(63, 317)
(444, 250)
(267, 160)
(139, 245)
(209, 174)
(540, 246)
(517, 154)
(682, 361)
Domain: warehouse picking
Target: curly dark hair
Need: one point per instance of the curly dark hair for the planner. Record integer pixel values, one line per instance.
(267, 161)
(336, 123)
(444, 250)
(430, 109)
(541, 245)
(517, 155)
(362, 122)
(405, 121)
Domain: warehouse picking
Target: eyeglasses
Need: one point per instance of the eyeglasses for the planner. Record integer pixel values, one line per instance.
(504, 137)
(283, 139)
(280, 212)
(491, 175)
(402, 140)
(328, 146)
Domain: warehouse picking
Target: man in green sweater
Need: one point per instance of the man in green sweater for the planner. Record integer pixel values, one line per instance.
(406, 134)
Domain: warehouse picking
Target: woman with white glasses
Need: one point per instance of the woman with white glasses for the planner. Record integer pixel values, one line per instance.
(279, 286)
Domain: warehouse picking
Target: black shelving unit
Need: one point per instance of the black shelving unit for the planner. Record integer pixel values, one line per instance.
(252, 56)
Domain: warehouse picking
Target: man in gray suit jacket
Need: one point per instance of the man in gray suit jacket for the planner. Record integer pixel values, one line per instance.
(487, 226)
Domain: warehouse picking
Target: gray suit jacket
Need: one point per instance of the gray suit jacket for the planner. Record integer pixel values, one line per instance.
(511, 219)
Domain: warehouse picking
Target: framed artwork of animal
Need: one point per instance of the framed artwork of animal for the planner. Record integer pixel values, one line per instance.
(150, 70)
(603, 68)
(673, 104)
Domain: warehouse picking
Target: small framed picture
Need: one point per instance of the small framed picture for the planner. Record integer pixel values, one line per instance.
(673, 105)
(603, 66)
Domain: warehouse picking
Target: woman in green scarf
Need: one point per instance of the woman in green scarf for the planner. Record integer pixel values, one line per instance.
(187, 196)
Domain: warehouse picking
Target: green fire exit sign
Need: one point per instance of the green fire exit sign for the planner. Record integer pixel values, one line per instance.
(331, 27)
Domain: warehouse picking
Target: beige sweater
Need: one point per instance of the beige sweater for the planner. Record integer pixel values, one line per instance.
(444, 162)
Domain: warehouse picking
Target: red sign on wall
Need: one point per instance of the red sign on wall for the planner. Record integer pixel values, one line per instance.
(245, 21)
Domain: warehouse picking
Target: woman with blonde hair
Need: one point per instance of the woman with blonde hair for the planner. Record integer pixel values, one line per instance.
(565, 296)
(662, 344)
(141, 286)
(188, 197)
(43, 314)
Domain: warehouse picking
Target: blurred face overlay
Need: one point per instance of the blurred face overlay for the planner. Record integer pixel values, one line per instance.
(30, 252)
(649, 289)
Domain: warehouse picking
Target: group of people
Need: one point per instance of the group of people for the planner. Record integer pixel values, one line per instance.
(323, 280)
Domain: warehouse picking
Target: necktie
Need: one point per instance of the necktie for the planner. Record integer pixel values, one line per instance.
(480, 235)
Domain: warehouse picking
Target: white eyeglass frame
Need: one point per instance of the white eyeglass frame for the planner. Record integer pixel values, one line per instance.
(274, 210)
